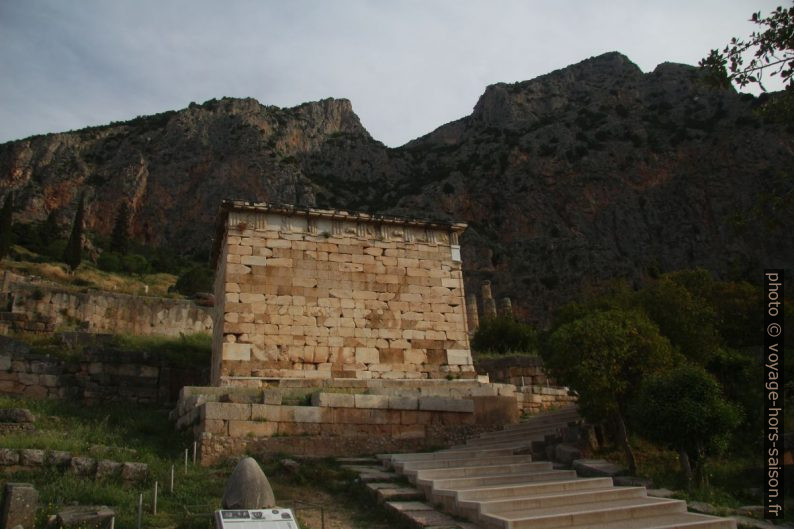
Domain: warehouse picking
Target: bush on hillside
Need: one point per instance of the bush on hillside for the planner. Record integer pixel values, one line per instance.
(193, 280)
(123, 264)
(685, 409)
(503, 335)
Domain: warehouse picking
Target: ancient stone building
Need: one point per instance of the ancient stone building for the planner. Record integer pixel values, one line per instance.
(311, 293)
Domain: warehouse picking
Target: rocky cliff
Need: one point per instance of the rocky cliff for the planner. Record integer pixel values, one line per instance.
(587, 173)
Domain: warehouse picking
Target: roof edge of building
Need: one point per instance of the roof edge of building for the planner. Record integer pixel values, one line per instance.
(333, 214)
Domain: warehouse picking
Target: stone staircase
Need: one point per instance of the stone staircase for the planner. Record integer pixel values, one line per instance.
(493, 482)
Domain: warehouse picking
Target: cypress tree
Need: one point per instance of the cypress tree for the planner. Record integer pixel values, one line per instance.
(72, 255)
(5, 226)
(120, 238)
(49, 232)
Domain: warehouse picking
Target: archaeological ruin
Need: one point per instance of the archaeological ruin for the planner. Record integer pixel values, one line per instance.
(311, 293)
(338, 333)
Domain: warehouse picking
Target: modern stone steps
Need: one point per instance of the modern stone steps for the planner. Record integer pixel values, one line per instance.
(679, 520)
(509, 444)
(543, 501)
(582, 513)
(410, 466)
(528, 429)
(448, 457)
(535, 433)
(480, 481)
(522, 490)
(391, 459)
(502, 479)
(482, 470)
(558, 417)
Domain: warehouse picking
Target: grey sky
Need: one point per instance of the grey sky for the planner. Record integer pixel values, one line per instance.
(407, 66)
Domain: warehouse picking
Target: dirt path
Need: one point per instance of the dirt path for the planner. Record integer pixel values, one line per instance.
(337, 513)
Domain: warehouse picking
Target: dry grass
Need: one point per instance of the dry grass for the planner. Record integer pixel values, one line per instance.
(88, 276)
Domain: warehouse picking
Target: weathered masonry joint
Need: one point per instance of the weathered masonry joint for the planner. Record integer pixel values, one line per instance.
(312, 293)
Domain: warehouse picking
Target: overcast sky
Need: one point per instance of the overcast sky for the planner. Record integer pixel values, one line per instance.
(407, 66)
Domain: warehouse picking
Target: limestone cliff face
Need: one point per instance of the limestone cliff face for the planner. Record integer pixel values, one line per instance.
(174, 168)
(587, 173)
(599, 171)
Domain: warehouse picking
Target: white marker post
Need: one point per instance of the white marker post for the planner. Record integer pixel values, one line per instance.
(172, 479)
(140, 510)
(186, 461)
(154, 502)
(194, 452)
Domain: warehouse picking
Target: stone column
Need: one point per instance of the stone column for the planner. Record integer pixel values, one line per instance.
(472, 315)
(505, 308)
(488, 303)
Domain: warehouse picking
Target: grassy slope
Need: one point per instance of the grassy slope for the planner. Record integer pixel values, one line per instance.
(89, 276)
(122, 432)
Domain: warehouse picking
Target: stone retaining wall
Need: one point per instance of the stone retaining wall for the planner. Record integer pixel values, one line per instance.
(13, 459)
(519, 370)
(535, 391)
(42, 306)
(341, 416)
(95, 375)
(536, 399)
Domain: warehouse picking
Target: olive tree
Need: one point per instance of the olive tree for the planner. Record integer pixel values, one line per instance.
(604, 356)
(685, 409)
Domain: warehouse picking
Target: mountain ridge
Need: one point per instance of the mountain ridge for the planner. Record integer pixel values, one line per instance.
(589, 172)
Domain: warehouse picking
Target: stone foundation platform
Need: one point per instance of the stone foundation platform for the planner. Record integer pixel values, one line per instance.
(341, 417)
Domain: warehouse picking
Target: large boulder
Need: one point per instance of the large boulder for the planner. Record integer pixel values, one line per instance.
(85, 517)
(17, 415)
(248, 487)
(19, 506)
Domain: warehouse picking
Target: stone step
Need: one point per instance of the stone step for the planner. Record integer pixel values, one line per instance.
(666, 521)
(420, 515)
(443, 454)
(560, 421)
(484, 469)
(368, 474)
(386, 491)
(514, 435)
(563, 414)
(583, 513)
(535, 431)
(521, 490)
(559, 499)
(526, 426)
(494, 444)
(358, 460)
(458, 462)
(484, 481)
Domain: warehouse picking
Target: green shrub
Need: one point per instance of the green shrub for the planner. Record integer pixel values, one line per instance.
(55, 249)
(109, 262)
(134, 264)
(196, 279)
(127, 264)
(604, 356)
(504, 334)
(186, 350)
(685, 409)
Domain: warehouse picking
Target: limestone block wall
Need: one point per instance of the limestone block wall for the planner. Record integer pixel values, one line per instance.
(342, 416)
(46, 306)
(519, 370)
(535, 391)
(306, 293)
(537, 399)
(95, 375)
